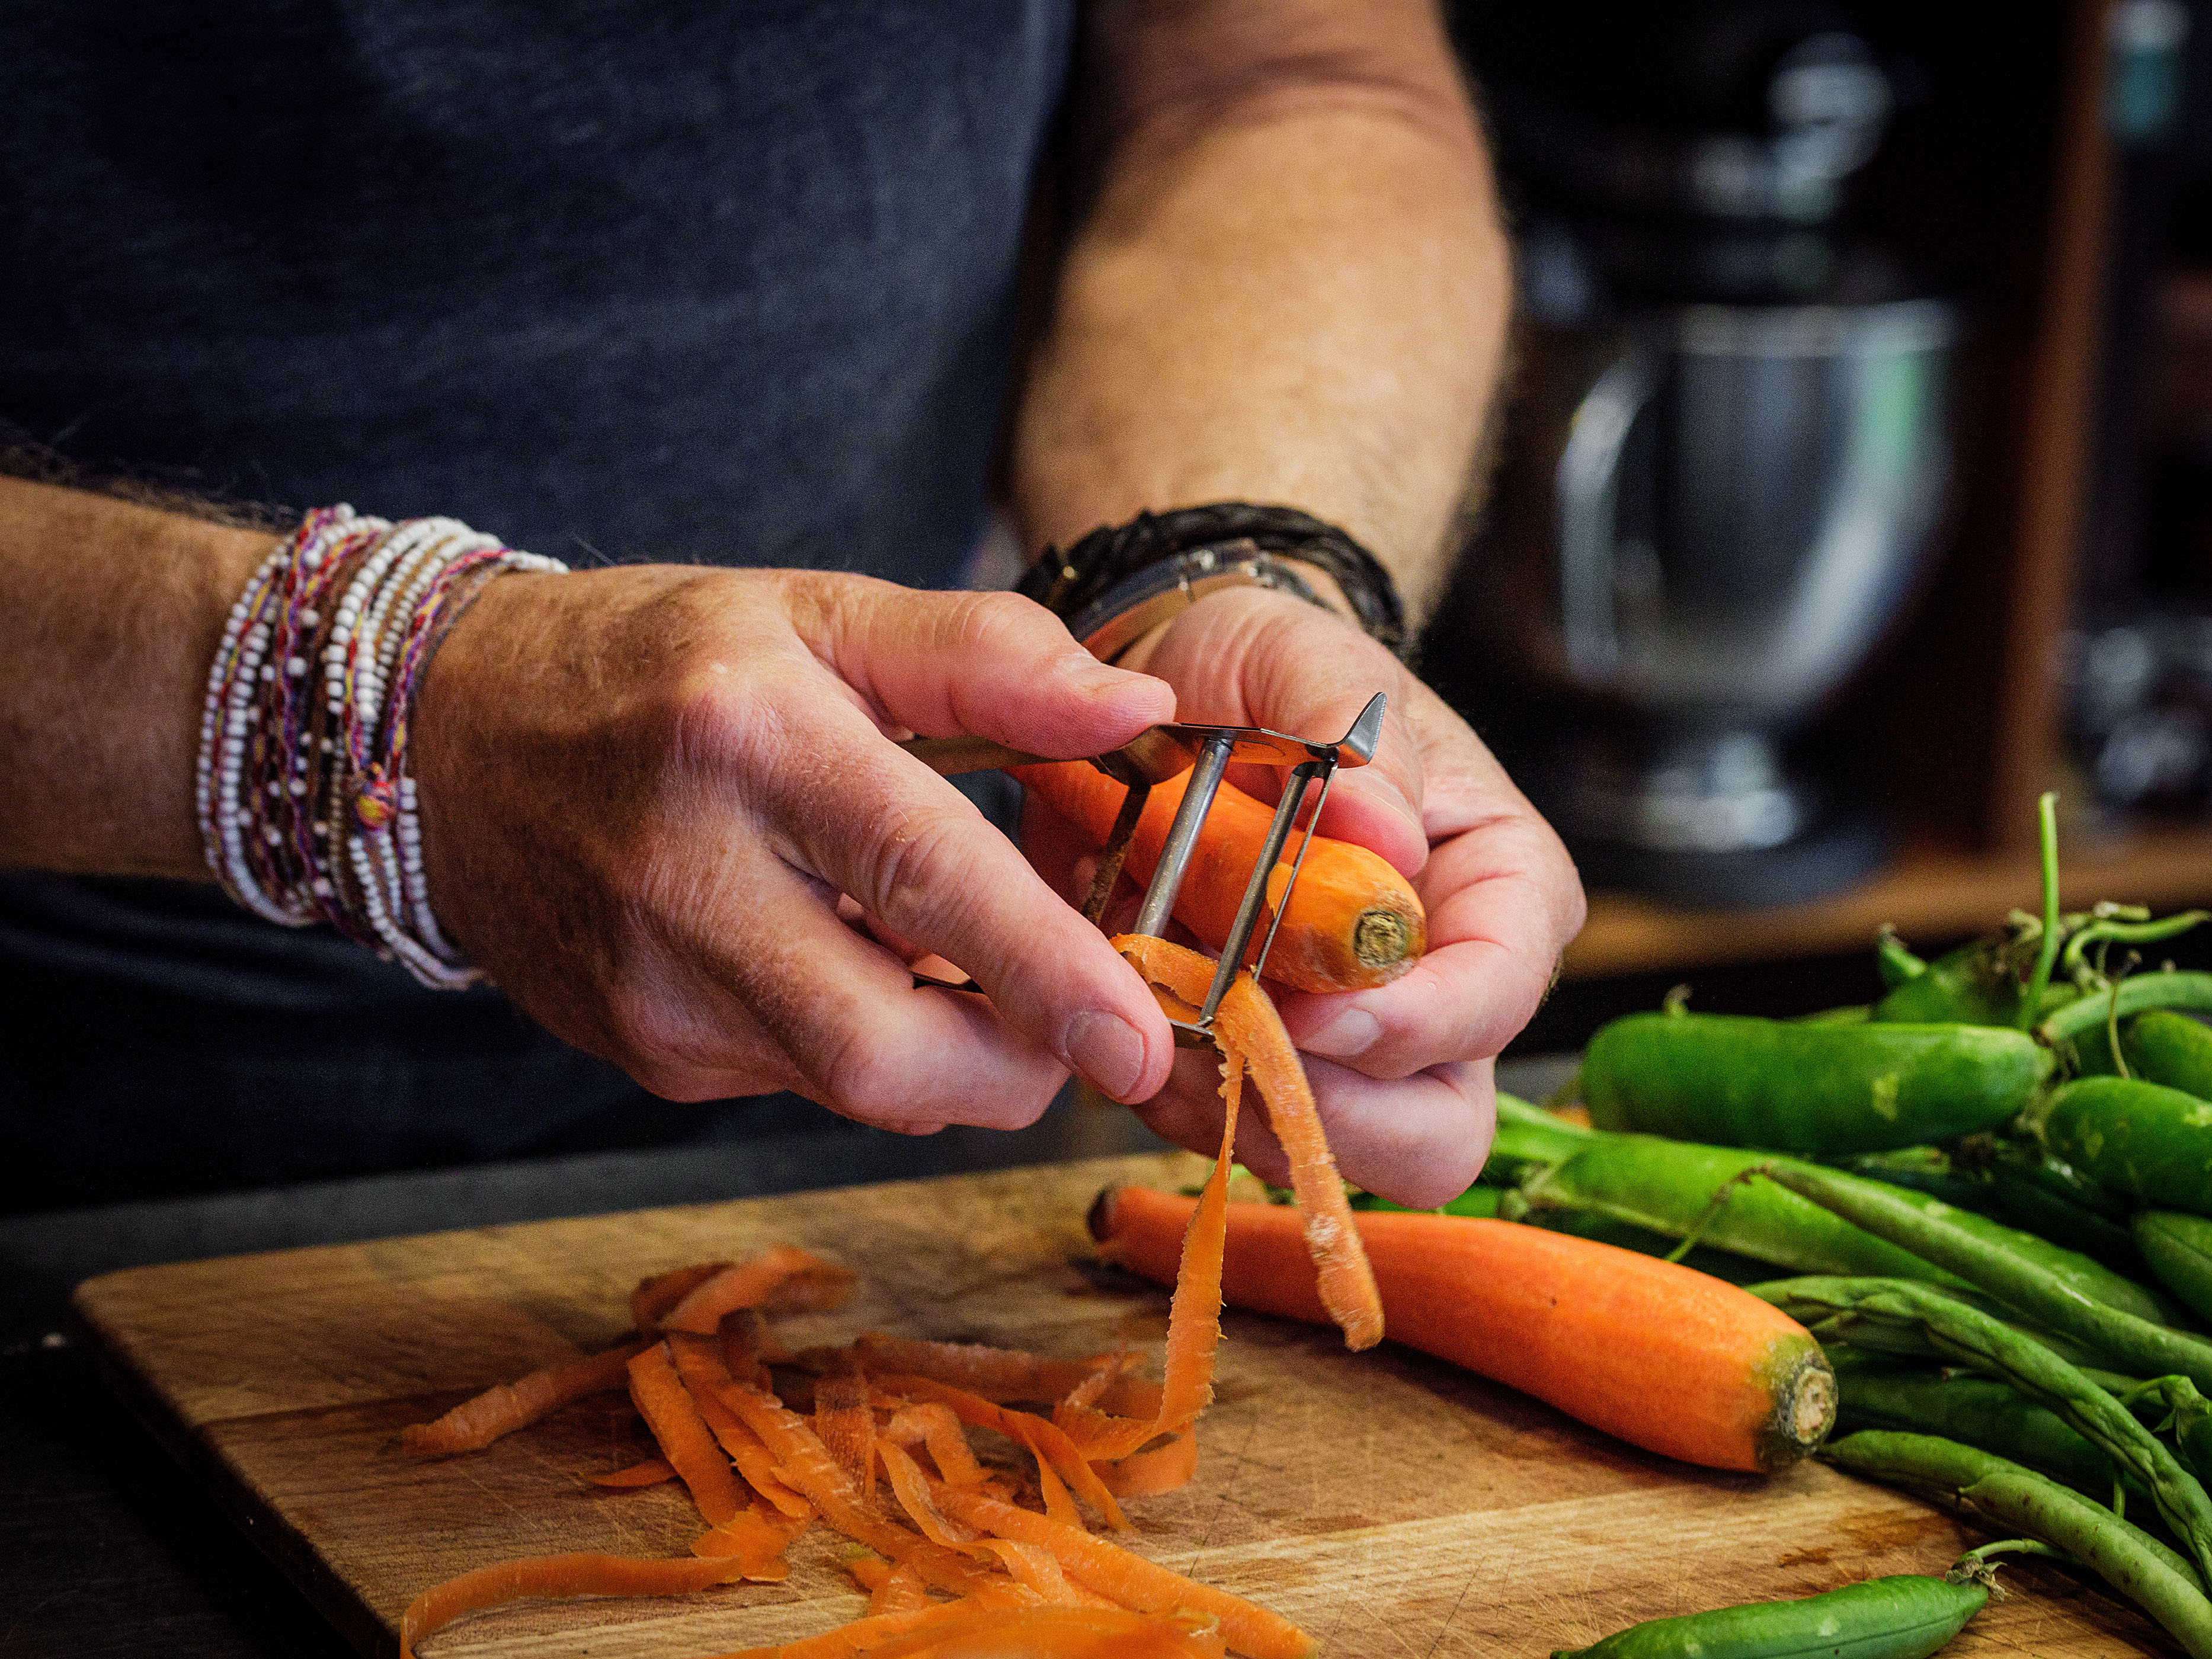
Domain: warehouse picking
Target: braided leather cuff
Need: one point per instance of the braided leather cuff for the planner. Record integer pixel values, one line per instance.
(1071, 584)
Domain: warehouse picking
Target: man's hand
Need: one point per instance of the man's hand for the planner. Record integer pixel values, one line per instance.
(1402, 1073)
(645, 790)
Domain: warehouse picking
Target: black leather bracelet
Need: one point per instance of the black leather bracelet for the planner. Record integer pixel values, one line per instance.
(1072, 583)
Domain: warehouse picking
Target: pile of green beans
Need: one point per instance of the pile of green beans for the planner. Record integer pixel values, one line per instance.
(2000, 1198)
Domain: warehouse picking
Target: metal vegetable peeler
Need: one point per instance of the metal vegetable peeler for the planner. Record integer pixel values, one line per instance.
(1156, 754)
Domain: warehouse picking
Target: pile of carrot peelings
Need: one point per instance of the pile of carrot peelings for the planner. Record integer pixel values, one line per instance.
(958, 1556)
(953, 1562)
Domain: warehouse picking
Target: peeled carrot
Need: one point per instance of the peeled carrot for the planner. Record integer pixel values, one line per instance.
(555, 1574)
(505, 1407)
(1249, 1030)
(1353, 922)
(1663, 1357)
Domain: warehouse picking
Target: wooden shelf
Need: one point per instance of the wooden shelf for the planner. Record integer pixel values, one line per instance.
(1931, 895)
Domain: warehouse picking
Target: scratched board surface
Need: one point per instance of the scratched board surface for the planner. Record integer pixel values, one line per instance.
(1391, 1504)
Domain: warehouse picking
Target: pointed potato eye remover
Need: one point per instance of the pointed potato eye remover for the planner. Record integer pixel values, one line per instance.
(1161, 752)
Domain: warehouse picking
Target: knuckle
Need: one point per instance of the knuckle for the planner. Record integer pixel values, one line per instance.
(908, 856)
(870, 1077)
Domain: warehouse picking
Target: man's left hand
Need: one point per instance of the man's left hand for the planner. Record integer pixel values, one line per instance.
(1402, 1073)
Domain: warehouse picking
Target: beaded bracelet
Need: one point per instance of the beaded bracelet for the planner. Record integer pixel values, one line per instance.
(306, 808)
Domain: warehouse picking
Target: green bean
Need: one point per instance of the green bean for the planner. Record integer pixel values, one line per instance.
(2070, 1269)
(2133, 1562)
(2186, 1413)
(2103, 931)
(2113, 1316)
(2027, 1202)
(2180, 1251)
(1926, 1169)
(1666, 1186)
(1978, 1410)
(2132, 995)
(2144, 1140)
(1966, 1334)
(1746, 1082)
(1906, 1616)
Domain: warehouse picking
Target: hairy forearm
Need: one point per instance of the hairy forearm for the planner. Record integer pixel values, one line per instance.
(110, 613)
(1286, 283)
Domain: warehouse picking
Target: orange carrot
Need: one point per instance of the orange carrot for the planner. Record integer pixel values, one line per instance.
(861, 1635)
(1040, 1570)
(1130, 1579)
(1663, 1357)
(1353, 922)
(755, 1284)
(686, 1440)
(650, 1473)
(1247, 1026)
(502, 1409)
(555, 1575)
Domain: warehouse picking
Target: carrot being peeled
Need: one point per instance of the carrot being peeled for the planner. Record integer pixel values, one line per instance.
(1663, 1357)
(1353, 922)
(1250, 1031)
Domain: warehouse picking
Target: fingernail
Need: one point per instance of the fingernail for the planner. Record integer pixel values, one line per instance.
(1352, 1032)
(1107, 1050)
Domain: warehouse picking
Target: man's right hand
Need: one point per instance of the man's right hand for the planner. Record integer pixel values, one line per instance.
(644, 790)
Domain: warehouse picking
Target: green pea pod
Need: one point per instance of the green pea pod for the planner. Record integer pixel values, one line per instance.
(2164, 1046)
(1733, 1080)
(1976, 1410)
(1973, 985)
(2150, 1142)
(1850, 1013)
(1830, 1307)
(1626, 1236)
(1908, 1616)
(2178, 1247)
(1529, 1137)
(2079, 1303)
(1667, 1187)
(2017, 1499)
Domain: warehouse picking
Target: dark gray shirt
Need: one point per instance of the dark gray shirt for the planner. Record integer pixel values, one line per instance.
(700, 281)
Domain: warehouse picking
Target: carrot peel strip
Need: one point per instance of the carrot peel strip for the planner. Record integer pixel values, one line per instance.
(650, 1473)
(555, 1575)
(758, 1283)
(505, 1407)
(686, 1440)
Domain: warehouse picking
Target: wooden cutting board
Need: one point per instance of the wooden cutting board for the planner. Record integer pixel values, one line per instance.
(1391, 1504)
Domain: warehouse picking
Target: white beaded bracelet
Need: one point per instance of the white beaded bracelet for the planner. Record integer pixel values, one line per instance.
(306, 807)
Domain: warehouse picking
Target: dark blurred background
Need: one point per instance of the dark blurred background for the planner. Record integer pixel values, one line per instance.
(1856, 482)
